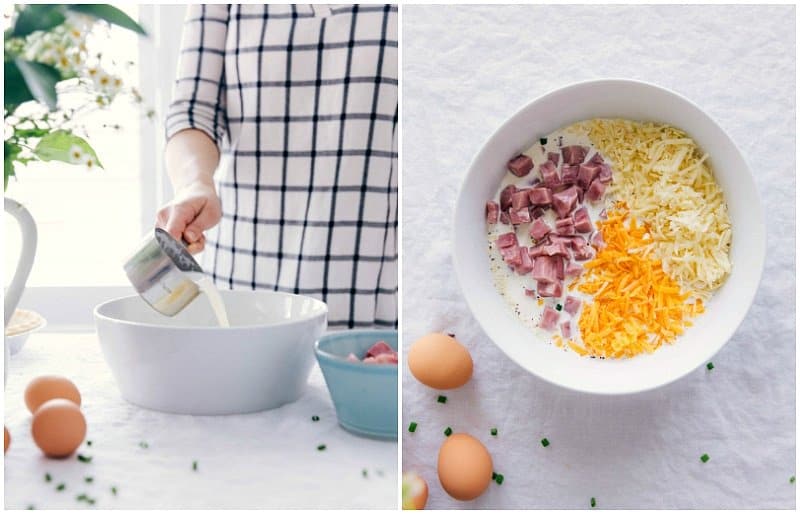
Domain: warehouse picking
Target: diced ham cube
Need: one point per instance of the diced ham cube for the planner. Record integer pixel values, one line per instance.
(530, 292)
(384, 358)
(558, 248)
(605, 176)
(596, 158)
(597, 240)
(553, 157)
(545, 268)
(507, 239)
(536, 251)
(505, 196)
(566, 329)
(505, 219)
(595, 191)
(540, 196)
(539, 229)
(565, 226)
(569, 174)
(577, 242)
(520, 216)
(379, 348)
(584, 254)
(536, 212)
(526, 263)
(565, 201)
(573, 269)
(587, 173)
(603, 214)
(492, 212)
(574, 154)
(572, 304)
(549, 290)
(513, 255)
(520, 165)
(520, 200)
(549, 174)
(549, 318)
(583, 223)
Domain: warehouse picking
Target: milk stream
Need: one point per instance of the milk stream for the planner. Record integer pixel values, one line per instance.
(206, 285)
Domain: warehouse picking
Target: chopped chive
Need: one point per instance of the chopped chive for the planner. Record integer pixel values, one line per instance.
(81, 497)
(499, 479)
(364, 473)
(493, 431)
(113, 490)
(704, 457)
(143, 444)
(545, 442)
(558, 306)
(88, 480)
(442, 399)
(379, 472)
(31, 507)
(194, 465)
(84, 458)
(321, 447)
(88, 443)
(448, 431)
(593, 502)
(710, 366)
(47, 477)
(494, 475)
(314, 418)
(412, 427)
(61, 486)
(543, 141)
(791, 479)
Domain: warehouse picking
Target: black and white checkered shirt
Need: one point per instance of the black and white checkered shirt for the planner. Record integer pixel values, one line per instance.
(302, 101)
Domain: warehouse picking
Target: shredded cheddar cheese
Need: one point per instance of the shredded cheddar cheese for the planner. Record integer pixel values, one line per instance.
(636, 305)
(665, 180)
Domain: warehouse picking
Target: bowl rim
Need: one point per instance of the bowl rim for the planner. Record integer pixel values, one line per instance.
(322, 312)
(341, 362)
(758, 209)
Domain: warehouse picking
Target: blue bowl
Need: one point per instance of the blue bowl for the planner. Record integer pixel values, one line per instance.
(365, 395)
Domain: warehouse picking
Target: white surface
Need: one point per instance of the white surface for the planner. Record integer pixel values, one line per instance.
(467, 69)
(263, 460)
(724, 311)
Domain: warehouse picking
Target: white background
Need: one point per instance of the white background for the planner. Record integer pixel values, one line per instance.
(467, 69)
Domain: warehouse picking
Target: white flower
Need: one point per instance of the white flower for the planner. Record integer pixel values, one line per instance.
(76, 155)
(89, 161)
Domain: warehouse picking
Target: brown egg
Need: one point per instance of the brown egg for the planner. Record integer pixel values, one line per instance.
(440, 362)
(48, 387)
(465, 467)
(58, 427)
(415, 491)
(6, 439)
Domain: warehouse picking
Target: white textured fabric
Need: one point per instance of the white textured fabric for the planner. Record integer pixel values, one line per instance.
(467, 69)
(256, 461)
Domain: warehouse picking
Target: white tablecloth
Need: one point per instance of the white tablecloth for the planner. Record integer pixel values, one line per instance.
(466, 69)
(263, 460)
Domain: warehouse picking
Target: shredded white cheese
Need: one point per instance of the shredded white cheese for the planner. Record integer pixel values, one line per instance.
(663, 177)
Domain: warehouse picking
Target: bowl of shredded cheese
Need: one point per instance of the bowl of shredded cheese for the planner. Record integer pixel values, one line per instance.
(609, 237)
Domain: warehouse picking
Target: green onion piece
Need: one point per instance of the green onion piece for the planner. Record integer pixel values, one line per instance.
(194, 465)
(379, 472)
(81, 497)
(321, 447)
(61, 486)
(558, 306)
(543, 141)
(710, 366)
(448, 431)
(493, 431)
(88, 443)
(593, 502)
(88, 480)
(499, 479)
(31, 507)
(791, 479)
(113, 490)
(364, 473)
(314, 418)
(704, 457)
(47, 477)
(143, 444)
(84, 458)
(494, 475)
(442, 399)
(545, 442)
(412, 427)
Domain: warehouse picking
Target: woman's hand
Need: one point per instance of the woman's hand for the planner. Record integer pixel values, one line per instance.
(195, 209)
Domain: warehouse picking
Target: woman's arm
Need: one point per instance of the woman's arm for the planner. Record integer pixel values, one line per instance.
(195, 126)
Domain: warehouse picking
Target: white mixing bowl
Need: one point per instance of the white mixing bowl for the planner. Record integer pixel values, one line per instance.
(724, 312)
(188, 365)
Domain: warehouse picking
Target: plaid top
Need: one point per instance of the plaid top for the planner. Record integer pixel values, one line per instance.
(302, 102)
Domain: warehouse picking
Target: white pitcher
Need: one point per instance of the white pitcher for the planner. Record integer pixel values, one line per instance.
(14, 291)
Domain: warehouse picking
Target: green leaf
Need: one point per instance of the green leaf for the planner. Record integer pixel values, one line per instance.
(38, 17)
(41, 80)
(15, 90)
(56, 146)
(10, 153)
(109, 14)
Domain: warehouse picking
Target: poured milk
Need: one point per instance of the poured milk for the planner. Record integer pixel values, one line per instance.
(206, 285)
